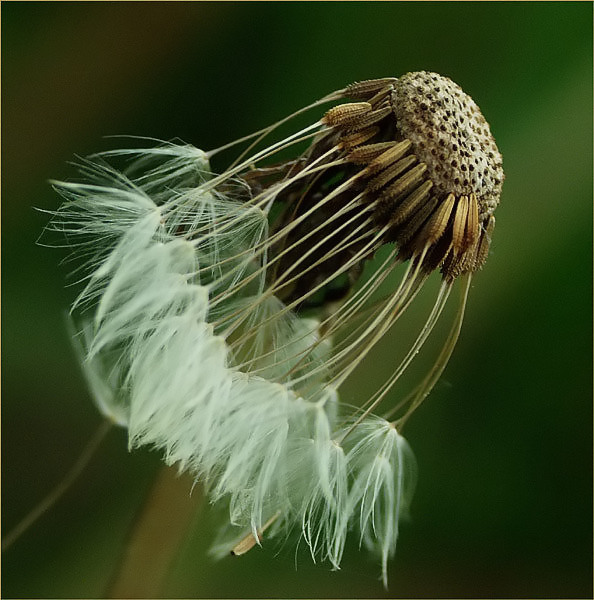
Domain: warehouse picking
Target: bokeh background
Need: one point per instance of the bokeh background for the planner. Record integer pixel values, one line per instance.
(504, 444)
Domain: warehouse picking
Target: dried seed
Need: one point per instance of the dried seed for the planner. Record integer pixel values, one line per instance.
(410, 228)
(388, 157)
(472, 223)
(249, 541)
(352, 140)
(389, 173)
(344, 115)
(459, 227)
(411, 203)
(367, 88)
(484, 242)
(405, 183)
(370, 118)
(437, 223)
(365, 154)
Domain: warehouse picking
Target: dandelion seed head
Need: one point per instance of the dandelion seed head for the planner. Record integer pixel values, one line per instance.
(225, 311)
(431, 171)
(449, 134)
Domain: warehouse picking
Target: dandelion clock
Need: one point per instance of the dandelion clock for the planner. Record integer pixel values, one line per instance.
(221, 312)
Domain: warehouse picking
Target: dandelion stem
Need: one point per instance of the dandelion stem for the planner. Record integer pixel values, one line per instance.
(58, 491)
(156, 537)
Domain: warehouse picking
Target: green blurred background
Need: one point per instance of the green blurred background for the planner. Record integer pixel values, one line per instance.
(504, 444)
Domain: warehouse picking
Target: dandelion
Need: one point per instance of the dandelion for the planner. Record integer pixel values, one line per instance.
(221, 313)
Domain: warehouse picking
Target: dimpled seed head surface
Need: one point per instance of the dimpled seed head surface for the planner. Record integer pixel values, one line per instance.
(450, 135)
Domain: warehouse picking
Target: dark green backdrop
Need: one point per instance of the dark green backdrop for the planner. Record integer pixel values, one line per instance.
(503, 507)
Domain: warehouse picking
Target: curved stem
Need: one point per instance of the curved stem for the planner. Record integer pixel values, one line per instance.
(156, 537)
(58, 491)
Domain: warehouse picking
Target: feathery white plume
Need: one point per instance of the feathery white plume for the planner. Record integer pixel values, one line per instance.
(384, 472)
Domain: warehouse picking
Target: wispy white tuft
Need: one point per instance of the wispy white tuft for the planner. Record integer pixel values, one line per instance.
(105, 380)
(183, 342)
(384, 472)
(324, 511)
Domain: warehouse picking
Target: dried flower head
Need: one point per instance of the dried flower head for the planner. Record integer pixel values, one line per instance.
(228, 309)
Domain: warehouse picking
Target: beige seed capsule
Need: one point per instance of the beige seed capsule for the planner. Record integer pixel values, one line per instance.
(363, 155)
(410, 159)
(391, 172)
(387, 158)
(345, 115)
(249, 541)
(367, 89)
(352, 140)
(459, 243)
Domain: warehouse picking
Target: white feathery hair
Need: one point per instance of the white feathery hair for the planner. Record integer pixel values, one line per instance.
(255, 419)
(384, 479)
(168, 258)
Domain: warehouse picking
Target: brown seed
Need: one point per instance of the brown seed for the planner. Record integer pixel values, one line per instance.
(352, 140)
(437, 223)
(459, 226)
(370, 118)
(472, 223)
(410, 204)
(365, 154)
(410, 228)
(367, 88)
(344, 115)
(405, 183)
(390, 172)
(388, 157)
(484, 243)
